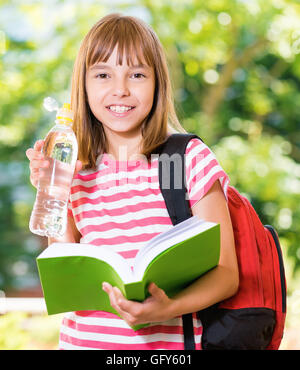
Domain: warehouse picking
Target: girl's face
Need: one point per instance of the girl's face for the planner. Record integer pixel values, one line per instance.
(120, 96)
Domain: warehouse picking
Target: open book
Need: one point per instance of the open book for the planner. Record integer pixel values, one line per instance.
(72, 274)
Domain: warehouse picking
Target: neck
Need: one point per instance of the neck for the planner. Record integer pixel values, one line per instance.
(123, 147)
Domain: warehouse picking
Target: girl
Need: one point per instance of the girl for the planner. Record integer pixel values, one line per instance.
(121, 98)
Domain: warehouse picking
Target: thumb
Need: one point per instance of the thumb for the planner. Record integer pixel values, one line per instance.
(156, 292)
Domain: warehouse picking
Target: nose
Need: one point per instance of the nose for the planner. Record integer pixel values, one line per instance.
(121, 88)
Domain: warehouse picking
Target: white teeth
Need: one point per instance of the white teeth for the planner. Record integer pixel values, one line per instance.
(119, 108)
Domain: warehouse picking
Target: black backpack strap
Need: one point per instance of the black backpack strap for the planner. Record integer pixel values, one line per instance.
(173, 188)
(172, 176)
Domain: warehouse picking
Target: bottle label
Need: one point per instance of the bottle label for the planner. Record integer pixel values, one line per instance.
(62, 152)
(57, 146)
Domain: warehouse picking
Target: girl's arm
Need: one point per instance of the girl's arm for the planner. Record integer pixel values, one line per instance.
(222, 282)
(216, 285)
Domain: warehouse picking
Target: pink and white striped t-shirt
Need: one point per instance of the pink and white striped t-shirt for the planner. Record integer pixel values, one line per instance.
(120, 205)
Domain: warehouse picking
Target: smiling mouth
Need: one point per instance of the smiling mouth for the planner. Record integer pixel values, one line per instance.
(120, 109)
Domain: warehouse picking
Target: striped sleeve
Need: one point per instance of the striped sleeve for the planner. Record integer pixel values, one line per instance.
(202, 170)
(70, 213)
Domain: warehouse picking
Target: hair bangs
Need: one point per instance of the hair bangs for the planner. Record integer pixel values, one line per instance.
(131, 45)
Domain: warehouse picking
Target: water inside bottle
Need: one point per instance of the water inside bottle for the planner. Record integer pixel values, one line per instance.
(50, 210)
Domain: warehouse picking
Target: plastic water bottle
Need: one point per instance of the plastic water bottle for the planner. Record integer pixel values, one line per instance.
(49, 214)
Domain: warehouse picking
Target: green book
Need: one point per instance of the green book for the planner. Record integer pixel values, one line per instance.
(71, 274)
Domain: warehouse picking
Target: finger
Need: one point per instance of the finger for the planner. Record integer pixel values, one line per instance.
(33, 154)
(34, 181)
(111, 294)
(113, 300)
(36, 167)
(128, 310)
(121, 301)
(108, 289)
(37, 174)
(36, 164)
(116, 297)
(156, 292)
(38, 145)
(131, 311)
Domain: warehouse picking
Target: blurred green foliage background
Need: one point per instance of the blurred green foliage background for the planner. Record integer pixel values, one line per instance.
(235, 68)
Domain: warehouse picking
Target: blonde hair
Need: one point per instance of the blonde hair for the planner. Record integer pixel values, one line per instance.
(137, 41)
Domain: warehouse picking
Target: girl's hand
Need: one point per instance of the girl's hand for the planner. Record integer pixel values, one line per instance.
(156, 308)
(38, 161)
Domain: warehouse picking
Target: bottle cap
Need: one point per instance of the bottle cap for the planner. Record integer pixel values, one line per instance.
(65, 115)
(67, 106)
(50, 104)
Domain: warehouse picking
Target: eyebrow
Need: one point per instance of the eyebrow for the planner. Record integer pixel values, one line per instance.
(105, 66)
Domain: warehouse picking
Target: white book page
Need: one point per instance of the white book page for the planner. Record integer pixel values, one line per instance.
(174, 230)
(142, 261)
(105, 254)
(172, 238)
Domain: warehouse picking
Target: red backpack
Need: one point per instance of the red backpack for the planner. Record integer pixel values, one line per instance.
(254, 317)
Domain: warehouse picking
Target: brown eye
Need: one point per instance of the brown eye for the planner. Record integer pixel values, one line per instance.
(101, 75)
(138, 75)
